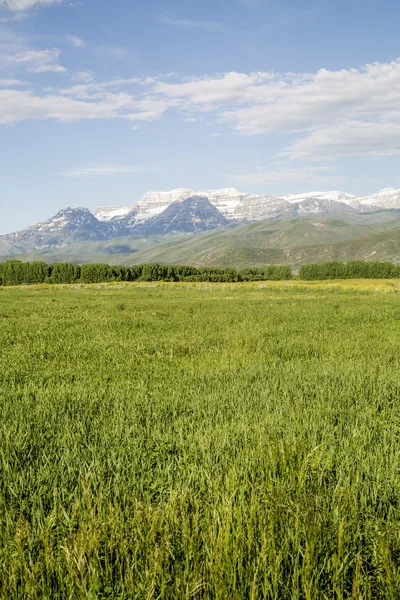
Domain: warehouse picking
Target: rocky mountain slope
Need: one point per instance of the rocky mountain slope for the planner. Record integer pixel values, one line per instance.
(66, 227)
(155, 202)
(151, 205)
(238, 206)
(192, 215)
(332, 196)
(285, 241)
(185, 212)
(292, 241)
(232, 204)
(387, 198)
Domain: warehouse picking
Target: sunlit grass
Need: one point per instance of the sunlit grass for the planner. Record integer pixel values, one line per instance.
(215, 441)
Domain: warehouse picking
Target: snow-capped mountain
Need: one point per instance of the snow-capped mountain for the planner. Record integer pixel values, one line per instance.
(387, 198)
(333, 196)
(152, 204)
(182, 211)
(67, 226)
(259, 208)
(318, 205)
(192, 215)
(231, 203)
(108, 213)
(151, 214)
(227, 200)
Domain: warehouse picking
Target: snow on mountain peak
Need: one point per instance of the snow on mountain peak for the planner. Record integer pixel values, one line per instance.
(155, 196)
(387, 198)
(333, 196)
(154, 202)
(240, 206)
(107, 213)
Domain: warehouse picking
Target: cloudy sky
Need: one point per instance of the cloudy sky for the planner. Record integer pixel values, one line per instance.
(101, 101)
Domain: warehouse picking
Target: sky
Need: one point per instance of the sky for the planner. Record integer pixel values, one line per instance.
(101, 101)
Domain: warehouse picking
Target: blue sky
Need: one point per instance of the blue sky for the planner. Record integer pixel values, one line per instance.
(101, 101)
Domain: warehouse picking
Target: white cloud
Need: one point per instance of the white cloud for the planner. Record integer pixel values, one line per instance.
(17, 5)
(270, 102)
(48, 69)
(33, 56)
(101, 171)
(83, 76)
(350, 138)
(328, 113)
(208, 93)
(262, 103)
(10, 83)
(21, 105)
(87, 88)
(37, 61)
(286, 174)
(193, 24)
(76, 41)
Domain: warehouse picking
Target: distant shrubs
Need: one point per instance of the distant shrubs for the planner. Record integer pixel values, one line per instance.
(15, 272)
(63, 273)
(357, 269)
(96, 273)
(271, 273)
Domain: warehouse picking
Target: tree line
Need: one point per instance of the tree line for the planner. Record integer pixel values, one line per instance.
(15, 272)
(356, 269)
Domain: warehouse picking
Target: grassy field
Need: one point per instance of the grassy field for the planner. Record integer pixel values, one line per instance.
(224, 441)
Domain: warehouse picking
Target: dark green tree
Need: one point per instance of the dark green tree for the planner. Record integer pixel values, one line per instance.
(64, 273)
(96, 273)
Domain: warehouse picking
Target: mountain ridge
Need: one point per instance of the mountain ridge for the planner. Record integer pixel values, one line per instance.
(175, 212)
(236, 205)
(289, 241)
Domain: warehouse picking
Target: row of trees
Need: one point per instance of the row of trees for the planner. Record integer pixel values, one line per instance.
(357, 269)
(15, 272)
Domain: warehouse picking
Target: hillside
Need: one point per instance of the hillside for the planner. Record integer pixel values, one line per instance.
(381, 246)
(115, 251)
(293, 242)
(184, 212)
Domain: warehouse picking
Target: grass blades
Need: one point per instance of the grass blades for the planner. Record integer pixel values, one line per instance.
(224, 441)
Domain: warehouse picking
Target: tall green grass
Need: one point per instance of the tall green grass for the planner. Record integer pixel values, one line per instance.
(167, 442)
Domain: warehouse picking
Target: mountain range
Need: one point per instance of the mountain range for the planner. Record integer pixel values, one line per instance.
(163, 225)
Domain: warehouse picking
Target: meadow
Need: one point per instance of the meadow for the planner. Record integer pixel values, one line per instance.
(206, 441)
